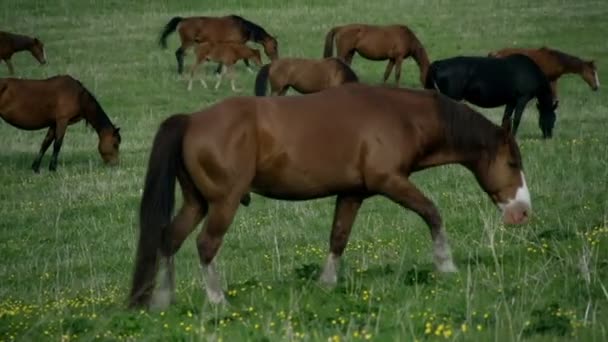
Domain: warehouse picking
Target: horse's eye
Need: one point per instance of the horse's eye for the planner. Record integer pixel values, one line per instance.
(512, 165)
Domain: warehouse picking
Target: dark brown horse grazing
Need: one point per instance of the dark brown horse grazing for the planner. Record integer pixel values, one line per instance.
(555, 63)
(56, 103)
(232, 28)
(11, 43)
(353, 141)
(378, 43)
(225, 53)
(304, 75)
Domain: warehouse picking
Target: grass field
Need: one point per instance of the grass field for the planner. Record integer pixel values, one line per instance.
(67, 239)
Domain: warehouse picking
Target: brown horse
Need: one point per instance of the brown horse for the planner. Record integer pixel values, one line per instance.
(555, 63)
(378, 43)
(353, 141)
(230, 28)
(56, 103)
(225, 53)
(304, 75)
(11, 43)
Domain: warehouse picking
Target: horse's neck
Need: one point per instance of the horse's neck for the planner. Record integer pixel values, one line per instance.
(422, 60)
(22, 42)
(570, 64)
(97, 118)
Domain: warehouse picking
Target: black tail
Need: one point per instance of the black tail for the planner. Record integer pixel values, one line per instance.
(169, 28)
(156, 206)
(430, 77)
(329, 42)
(261, 79)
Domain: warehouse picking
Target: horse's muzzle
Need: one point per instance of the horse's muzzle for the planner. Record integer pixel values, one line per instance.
(516, 213)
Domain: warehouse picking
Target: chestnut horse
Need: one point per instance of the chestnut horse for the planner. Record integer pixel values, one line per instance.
(304, 75)
(225, 53)
(232, 28)
(56, 103)
(11, 43)
(353, 141)
(493, 82)
(378, 43)
(555, 63)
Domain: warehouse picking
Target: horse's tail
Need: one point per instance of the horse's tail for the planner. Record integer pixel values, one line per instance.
(329, 42)
(261, 79)
(3, 86)
(347, 72)
(168, 29)
(429, 82)
(156, 206)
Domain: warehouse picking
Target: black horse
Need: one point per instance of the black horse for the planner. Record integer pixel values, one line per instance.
(492, 82)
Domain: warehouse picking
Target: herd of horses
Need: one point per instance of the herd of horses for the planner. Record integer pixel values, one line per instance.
(343, 138)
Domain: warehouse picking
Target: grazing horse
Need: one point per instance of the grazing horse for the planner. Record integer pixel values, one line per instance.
(225, 53)
(232, 28)
(11, 43)
(378, 43)
(353, 141)
(555, 63)
(56, 103)
(304, 75)
(493, 82)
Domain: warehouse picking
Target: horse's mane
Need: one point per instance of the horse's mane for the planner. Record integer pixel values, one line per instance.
(93, 112)
(254, 31)
(466, 129)
(564, 58)
(349, 74)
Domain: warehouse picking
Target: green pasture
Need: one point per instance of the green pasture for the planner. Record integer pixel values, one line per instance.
(67, 239)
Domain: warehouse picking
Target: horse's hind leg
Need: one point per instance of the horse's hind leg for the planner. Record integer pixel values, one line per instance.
(179, 56)
(389, 68)
(189, 216)
(399, 189)
(48, 139)
(344, 216)
(60, 128)
(221, 214)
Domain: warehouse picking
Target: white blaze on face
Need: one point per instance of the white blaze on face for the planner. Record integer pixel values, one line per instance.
(522, 196)
(597, 79)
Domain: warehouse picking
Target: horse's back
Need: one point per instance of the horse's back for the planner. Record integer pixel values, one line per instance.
(55, 96)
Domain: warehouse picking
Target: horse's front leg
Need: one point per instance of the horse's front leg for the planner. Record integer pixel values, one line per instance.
(398, 62)
(399, 189)
(9, 65)
(48, 139)
(60, 128)
(506, 117)
(220, 76)
(389, 68)
(232, 76)
(344, 217)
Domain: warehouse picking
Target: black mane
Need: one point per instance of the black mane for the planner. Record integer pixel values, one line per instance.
(254, 31)
(468, 130)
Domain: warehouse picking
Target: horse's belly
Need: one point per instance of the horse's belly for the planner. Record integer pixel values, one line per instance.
(295, 183)
(26, 123)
